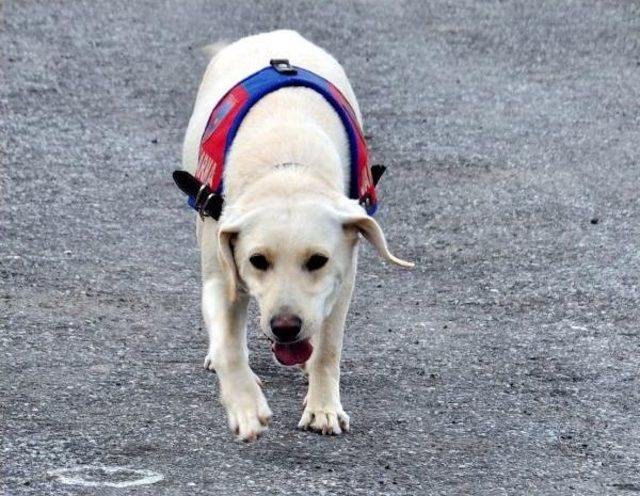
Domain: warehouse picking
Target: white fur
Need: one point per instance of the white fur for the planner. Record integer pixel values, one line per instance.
(286, 213)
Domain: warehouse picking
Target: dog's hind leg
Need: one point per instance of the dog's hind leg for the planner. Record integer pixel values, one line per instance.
(323, 409)
(228, 355)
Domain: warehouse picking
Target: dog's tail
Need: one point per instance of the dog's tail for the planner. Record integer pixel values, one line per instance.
(213, 49)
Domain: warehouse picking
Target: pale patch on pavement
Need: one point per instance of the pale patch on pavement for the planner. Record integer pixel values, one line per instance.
(96, 475)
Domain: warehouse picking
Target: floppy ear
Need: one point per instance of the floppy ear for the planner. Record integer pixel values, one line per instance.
(229, 229)
(355, 216)
(227, 261)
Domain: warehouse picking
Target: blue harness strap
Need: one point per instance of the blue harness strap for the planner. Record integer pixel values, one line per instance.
(228, 114)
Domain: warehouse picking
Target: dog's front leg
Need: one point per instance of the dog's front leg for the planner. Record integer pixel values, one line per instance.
(323, 410)
(240, 392)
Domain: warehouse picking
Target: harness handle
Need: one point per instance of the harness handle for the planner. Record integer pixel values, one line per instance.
(283, 66)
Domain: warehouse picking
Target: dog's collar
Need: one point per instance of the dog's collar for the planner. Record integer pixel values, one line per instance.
(205, 190)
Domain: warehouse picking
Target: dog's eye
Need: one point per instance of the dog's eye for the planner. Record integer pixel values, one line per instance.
(260, 262)
(315, 262)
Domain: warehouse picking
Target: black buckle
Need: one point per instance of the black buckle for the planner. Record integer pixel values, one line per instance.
(207, 202)
(365, 201)
(212, 206)
(283, 66)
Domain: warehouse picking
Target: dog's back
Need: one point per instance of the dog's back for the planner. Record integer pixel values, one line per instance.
(232, 63)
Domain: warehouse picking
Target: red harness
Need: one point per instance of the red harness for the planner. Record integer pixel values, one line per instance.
(206, 189)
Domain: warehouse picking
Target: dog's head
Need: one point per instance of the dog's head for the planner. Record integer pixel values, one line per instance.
(293, 255)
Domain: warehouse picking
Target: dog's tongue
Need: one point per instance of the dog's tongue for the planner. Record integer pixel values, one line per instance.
(292, 354)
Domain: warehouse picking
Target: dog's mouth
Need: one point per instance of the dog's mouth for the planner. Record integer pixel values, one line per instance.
(292, 353)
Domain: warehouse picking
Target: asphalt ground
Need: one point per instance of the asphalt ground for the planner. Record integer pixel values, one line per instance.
(506, 362)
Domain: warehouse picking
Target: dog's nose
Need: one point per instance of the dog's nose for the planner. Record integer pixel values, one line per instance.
(286, 327)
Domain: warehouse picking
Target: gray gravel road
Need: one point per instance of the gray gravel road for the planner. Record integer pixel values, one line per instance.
(505, 363)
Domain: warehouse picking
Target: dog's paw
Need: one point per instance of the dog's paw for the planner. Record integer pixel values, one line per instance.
(248, 412)
(332, 421)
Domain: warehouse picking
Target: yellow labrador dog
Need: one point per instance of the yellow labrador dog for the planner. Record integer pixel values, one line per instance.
(287, 234)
